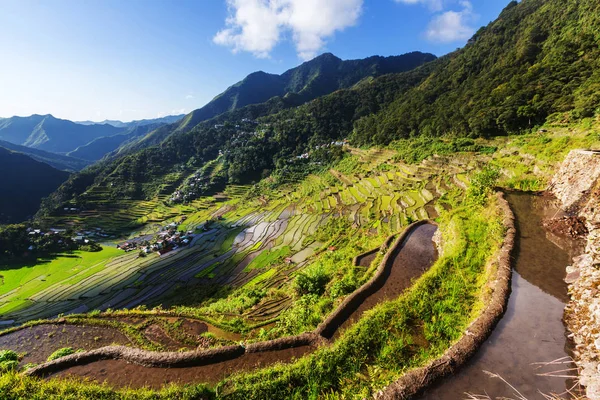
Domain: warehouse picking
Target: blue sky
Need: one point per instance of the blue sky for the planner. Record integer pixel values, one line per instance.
(133, 59)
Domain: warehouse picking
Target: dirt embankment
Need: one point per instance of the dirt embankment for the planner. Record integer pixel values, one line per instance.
(577, 186)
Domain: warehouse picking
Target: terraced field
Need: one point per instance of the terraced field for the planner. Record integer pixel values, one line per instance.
(255, 243)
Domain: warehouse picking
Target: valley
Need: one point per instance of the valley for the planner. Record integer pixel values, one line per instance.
(401, 227)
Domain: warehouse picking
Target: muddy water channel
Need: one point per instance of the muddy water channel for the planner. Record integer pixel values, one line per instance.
(531, 332)
(413, 257)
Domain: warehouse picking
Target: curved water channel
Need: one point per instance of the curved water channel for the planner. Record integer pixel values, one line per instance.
(531, 332)
(411, 259)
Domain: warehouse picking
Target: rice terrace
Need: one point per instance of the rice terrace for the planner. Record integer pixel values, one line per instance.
(402, 227)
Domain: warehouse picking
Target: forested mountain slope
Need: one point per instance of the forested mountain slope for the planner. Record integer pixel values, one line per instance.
(537, 61)
(25, 181)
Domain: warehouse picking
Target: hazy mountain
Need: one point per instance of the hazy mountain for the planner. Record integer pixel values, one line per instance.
(58, 161)
(98, 148)
(48, 133)
(169, 119)
(26, 184)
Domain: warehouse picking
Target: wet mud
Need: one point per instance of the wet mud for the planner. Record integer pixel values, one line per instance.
(120, 373)
(38, 342)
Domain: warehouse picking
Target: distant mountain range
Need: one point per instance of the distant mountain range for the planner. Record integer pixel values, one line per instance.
(25, 186)
(315, 78)
(45, 132)
(169, 119)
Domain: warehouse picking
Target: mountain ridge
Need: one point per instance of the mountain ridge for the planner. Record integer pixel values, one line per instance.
(26, 185)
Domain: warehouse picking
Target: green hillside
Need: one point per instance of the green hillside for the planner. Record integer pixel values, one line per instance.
(505, 80)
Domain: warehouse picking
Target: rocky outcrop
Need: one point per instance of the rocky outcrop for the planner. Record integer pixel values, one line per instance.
(577, 186)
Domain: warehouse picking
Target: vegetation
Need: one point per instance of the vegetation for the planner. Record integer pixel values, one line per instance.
(281, 196)
(65, 351)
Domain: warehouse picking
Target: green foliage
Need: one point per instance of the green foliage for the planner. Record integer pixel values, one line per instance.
(417, 149)
(65, 351)
(8, 355)
(311, 281)
(482, 184)
(379, 347)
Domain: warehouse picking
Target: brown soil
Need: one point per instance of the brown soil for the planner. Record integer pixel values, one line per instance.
(38, 342)
(119, 373)
(366, 259)
(194, 328)
(157, 335)
(572, 226)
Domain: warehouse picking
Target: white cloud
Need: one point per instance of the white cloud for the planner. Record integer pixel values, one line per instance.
(257, 26)
(433, 5)
(189, 97)
(452, 26)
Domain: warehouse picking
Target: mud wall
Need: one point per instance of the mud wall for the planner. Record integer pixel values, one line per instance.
(478, 331)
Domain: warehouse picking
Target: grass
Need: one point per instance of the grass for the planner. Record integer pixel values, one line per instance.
(27, 280)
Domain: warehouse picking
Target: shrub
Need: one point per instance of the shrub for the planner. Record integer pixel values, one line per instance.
(65, 351)
(8, 355)
(311, 282)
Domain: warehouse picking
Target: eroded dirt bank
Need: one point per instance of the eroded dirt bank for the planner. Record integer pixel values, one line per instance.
(577, 186)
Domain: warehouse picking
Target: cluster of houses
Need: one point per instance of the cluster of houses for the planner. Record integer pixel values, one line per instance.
(195, 185)
(168, 239)
(339, 143)
(244, 120)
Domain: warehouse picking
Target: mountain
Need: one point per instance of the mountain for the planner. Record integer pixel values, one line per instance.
(46, 132)
(317, 77)
(98, 148)
(58, 161)
(169, 119)
(23, 188)
(538, 62)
